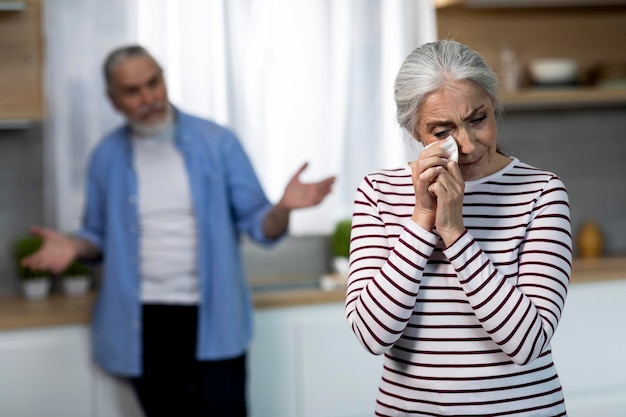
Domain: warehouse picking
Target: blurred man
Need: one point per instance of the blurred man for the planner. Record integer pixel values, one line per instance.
(168, 196)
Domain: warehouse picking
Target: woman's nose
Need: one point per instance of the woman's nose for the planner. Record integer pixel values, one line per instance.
(464, 141)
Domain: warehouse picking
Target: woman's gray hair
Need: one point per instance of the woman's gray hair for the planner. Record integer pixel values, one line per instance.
(431, 66)
(121, 54)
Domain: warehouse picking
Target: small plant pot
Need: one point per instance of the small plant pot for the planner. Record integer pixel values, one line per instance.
(36, 289)
(76, 285)
(341, 265)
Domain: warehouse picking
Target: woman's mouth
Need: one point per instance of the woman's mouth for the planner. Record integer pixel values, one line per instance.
(469, 164)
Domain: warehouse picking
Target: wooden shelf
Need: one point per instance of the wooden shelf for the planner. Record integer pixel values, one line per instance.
(588, 35)
(447, 3)
(524, 4)
(540, 3)
(564, 98)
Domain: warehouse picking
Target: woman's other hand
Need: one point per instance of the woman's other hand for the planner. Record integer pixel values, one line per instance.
(449, 188)
(424, 172)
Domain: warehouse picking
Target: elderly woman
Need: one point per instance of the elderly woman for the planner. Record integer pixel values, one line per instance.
(459, 270)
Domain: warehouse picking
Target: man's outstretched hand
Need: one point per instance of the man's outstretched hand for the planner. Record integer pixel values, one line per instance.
(296, 195)
(57, 252)
(301, 195)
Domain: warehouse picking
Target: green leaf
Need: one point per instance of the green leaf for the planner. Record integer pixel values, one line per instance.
(341, 238)
(23, 247)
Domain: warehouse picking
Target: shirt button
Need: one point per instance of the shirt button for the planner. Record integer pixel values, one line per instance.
(132, 199)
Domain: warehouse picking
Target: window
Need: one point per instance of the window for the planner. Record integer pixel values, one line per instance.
(301, 81)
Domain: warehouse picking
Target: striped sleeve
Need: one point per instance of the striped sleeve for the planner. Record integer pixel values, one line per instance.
(384, 278)
(522, 313)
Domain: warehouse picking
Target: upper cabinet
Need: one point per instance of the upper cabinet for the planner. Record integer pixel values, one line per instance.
(21, 57)
(592, 37)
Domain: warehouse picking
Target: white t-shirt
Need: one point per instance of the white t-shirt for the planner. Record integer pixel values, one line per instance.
(168, 234)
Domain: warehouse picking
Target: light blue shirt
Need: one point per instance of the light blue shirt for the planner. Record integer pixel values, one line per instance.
(228, 201)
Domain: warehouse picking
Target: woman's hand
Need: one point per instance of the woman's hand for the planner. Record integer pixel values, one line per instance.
(425, 171)
(449, 189)
(439, 189)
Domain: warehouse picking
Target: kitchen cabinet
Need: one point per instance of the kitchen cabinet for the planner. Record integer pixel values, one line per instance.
(304, 360)
(21, 66)
(45, 372)
(48, 372)
(589, 348)
(112, 397)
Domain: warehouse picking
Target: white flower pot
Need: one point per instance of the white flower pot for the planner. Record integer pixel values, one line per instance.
(36, 289)
(341, 265)
(76, 286)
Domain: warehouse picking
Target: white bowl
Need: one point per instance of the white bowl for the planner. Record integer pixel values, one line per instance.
(553, 70)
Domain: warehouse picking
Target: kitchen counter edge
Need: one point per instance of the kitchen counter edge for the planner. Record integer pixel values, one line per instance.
(59, 310)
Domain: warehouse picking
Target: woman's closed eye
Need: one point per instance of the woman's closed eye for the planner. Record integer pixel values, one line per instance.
(442, 134)
(478, 120)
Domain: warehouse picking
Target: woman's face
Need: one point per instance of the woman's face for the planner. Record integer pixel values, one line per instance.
(464, 111)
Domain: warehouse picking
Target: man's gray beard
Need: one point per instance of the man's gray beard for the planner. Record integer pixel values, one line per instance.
(143, 130)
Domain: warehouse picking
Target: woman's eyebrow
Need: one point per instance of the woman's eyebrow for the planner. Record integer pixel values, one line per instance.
(434, 123)
(473, 113)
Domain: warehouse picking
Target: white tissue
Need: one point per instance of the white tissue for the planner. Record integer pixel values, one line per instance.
(449, 145)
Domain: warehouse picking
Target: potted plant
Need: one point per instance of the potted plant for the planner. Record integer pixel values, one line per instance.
(35, 285)
(340, 243)
(76, 280)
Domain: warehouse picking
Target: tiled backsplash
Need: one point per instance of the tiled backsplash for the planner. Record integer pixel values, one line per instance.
(21, 193)
(586, 148)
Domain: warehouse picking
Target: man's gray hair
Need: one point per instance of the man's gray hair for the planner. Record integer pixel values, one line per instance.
(121, 54)
(433, 65)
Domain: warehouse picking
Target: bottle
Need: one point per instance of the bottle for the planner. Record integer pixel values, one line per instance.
(590, 240)
(509, 69)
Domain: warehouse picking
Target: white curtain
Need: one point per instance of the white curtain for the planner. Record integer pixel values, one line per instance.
(77, 35)
(307, 80)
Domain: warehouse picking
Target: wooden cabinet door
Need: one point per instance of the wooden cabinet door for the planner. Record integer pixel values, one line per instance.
(21, 58)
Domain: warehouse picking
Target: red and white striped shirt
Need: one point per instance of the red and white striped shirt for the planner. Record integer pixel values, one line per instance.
(466, 329)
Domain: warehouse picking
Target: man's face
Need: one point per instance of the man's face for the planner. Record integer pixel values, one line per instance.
(137, 90)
